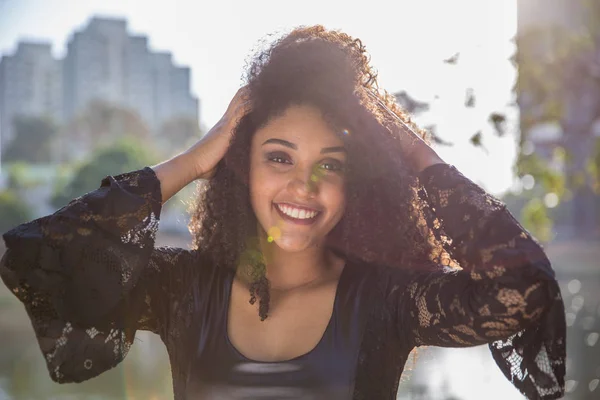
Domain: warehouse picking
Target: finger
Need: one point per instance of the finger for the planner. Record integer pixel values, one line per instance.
(241, 97)
(244, 107)
(243, 93)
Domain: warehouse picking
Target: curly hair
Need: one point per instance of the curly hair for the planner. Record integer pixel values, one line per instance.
(384, 221)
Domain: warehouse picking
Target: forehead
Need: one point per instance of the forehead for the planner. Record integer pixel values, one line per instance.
(302, 125)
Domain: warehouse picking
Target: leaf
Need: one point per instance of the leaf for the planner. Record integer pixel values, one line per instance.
(477, 142)
(470, 98)
(476, 139)
(433, 136)
(499, 122)
(452, 60)
(409, 104)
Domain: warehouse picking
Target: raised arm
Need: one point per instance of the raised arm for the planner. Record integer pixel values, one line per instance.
(89, 275)
(505, 294)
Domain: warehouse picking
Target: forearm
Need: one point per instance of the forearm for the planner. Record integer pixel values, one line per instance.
(484, 234)
(506, 283)
(175, 174)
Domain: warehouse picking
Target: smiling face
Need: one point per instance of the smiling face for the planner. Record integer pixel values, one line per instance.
(297, 165)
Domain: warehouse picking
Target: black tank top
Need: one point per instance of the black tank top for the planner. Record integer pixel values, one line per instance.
(219, 371)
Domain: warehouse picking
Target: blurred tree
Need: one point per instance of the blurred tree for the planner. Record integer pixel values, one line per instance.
(559, 83)
(534, 215)
(33, 140)
(177, 134)
(99, 124)
(12, 210)
(124, 155)
(17, 175)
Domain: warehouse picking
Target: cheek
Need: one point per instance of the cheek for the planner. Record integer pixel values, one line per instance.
(262, 187)
(254, 184)
(334, 197)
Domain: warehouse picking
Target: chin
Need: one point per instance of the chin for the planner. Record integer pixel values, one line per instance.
(294, 244)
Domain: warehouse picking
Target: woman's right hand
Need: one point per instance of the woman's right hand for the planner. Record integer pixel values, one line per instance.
(208, 151)
(200, 160)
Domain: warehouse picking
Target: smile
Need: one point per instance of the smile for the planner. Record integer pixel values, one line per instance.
(297, 213)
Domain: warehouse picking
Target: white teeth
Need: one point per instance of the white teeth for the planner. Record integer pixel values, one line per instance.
(296, 212)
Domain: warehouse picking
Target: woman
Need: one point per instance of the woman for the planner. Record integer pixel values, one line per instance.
(330, 240)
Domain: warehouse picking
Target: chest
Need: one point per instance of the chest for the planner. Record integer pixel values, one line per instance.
(346, 359)
(307, 347)
(296, 322)
(351, 360)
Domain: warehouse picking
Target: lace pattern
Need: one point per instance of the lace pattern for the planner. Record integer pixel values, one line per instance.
(504, 293)
(90, 276)
(494, 285)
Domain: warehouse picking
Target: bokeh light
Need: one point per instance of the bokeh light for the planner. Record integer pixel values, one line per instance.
(274, 233)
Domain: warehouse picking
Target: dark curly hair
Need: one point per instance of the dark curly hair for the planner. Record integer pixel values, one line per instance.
(384, 221)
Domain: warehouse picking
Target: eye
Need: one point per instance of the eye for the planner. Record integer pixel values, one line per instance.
(279, 158)
(332, 165)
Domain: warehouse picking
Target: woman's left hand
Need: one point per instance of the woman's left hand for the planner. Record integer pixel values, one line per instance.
(414, 148)
(420, 154)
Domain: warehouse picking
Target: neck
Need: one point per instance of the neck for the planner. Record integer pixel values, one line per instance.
(287, 270)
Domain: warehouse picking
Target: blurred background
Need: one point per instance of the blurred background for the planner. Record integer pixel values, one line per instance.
(509, 91)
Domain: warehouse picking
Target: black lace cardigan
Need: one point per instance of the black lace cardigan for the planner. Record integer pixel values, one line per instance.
(90, 276)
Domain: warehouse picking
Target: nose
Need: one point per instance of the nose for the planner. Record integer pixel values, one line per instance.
(304, 184)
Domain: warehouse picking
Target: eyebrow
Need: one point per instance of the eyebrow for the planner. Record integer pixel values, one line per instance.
(334, 149)
(324, 150)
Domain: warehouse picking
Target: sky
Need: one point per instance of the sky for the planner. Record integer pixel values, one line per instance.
(407, 39)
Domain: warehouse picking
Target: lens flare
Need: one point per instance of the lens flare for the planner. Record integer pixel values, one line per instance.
(273, 233)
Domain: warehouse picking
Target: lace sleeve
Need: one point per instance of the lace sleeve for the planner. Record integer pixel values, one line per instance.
(503, 292)
(89, 275)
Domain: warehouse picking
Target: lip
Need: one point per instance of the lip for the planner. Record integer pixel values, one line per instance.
(295, 220)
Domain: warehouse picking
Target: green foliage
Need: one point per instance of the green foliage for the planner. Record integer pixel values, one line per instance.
(535, 219)
(177, 134)
(123, 156)
(552, 181)
(557, 73)
(32, 141)
(554, 63)
(546, 59)
(594, 166)
(17, 175)
(100, 124)
(592, 17)
(104, 122)
(13, 211)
